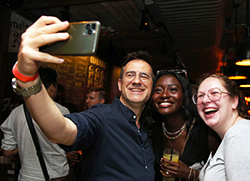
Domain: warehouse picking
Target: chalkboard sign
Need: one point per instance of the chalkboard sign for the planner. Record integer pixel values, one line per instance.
(77, 73)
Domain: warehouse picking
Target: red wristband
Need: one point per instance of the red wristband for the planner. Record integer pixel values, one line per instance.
(22, 77)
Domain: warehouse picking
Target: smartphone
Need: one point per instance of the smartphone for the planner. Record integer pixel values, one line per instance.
(83, 40)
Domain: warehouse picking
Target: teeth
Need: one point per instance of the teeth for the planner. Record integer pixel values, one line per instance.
(210, 110)
(138, 90)
(165, 103)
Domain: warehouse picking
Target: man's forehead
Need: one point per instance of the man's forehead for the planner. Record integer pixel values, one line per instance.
(138, 65)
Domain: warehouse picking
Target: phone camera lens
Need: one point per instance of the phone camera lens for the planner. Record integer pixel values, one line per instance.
(88, 26)
(93, 26)
(89, 31)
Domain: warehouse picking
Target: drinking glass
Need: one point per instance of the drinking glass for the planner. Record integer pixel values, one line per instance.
(172, 155)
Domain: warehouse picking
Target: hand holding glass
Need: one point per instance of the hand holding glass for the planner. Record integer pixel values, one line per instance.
(172, 155)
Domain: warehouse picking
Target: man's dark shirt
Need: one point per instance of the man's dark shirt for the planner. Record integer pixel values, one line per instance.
(113, 147)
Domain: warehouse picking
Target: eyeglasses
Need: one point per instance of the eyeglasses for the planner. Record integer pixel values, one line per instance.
(213, 94)
(130, 75)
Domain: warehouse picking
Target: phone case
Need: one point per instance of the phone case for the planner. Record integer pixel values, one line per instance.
(83, 40)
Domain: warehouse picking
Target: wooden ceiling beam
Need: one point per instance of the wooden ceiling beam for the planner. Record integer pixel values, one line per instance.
(32, 5)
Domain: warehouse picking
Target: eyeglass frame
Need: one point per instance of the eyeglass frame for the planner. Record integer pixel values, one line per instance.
(135, 74)
(220, 92)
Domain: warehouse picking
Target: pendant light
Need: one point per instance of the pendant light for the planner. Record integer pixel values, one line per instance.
(243, 52)
(144, 26)
(236, 72)
(245, 85)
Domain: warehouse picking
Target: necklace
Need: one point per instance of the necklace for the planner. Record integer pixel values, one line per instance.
(183, 127)
(173, 137)
(186, 140)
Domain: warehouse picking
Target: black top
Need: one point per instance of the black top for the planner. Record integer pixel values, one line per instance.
(196, 148)
(113, 147)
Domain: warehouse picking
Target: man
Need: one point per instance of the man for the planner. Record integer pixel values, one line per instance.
(115, 142)
(17, 139)
(95, 95)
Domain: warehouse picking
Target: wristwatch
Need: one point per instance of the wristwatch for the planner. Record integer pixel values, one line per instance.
(26, 92)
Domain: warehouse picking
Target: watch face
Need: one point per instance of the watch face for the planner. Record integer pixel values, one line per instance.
(13, 83)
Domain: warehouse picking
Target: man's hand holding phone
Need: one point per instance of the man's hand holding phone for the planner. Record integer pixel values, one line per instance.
(45, 30)
(83, 40)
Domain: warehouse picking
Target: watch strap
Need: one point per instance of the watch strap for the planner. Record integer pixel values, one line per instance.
(26, 92)
(21, 76)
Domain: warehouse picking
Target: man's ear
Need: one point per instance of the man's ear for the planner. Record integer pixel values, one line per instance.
(119, 85)
(102, 101)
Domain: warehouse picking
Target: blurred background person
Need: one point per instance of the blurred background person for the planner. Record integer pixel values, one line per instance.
(95, 95)
(61, 99)
(73, 157)
(177, 126)
(17, 139)
(222, 107)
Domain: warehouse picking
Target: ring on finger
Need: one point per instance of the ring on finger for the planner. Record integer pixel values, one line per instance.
(167, 173)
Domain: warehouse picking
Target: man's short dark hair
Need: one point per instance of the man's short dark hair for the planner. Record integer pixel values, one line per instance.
(48, 76)
(141, 55)
(100, 90)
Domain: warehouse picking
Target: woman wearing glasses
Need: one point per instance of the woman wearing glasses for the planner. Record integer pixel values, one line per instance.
(177, 126)
(222, 107)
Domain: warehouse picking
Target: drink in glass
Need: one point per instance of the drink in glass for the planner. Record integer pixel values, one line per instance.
(172, 155)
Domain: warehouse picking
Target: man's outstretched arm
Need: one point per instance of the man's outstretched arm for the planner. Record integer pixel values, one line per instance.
(42, 108)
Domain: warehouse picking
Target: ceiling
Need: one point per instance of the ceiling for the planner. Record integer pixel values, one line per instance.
(190, 33)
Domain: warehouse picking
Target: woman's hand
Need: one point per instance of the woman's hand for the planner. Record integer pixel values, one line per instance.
(44, 31)
(174, 169)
